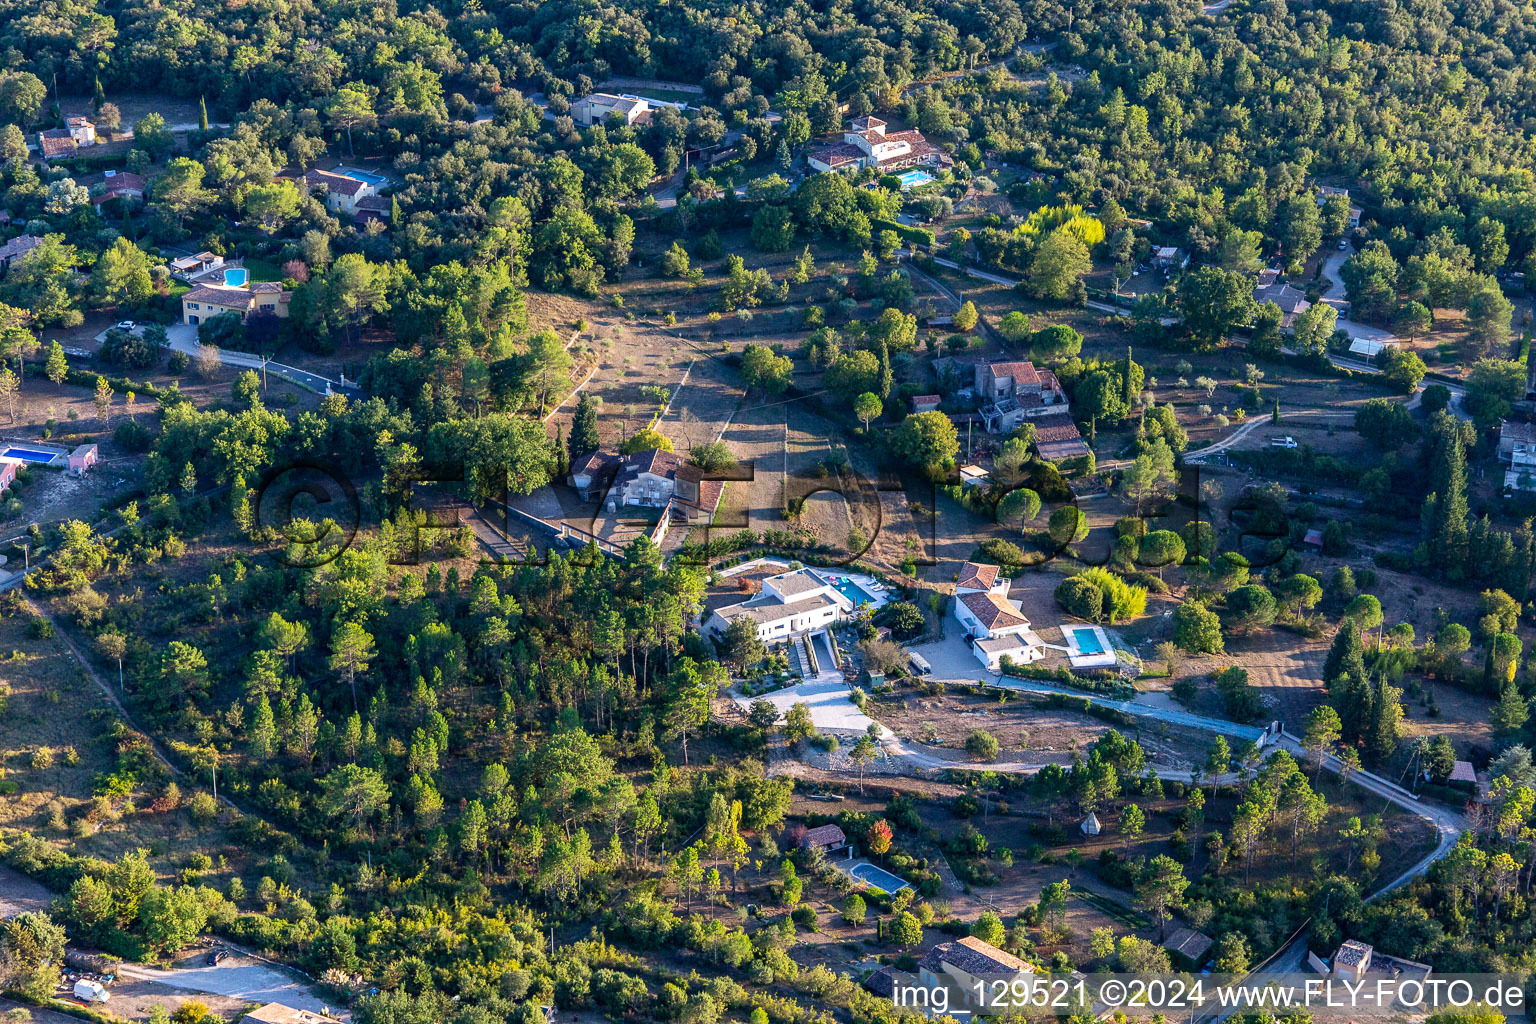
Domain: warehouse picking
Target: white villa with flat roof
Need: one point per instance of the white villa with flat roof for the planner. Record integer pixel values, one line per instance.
(791, 603)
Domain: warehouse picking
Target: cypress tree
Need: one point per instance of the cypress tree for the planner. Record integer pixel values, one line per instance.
(1446, 511)
(1355, 703)
(98, 97)
(584, 437)
(202, 113)
(886, 377)
(1346, 655)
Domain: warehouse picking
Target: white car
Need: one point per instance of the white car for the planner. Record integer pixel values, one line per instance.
(1343, 244)
(124, 325)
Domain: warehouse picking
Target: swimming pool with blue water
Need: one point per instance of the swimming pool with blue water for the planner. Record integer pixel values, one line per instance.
(31, 454)
(371, 178)
(1087, 641)
(878, 878)
(852, 591)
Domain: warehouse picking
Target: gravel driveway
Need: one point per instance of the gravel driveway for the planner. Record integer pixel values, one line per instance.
(240, 976)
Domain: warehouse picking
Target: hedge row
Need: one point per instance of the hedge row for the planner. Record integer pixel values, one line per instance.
(906, 232)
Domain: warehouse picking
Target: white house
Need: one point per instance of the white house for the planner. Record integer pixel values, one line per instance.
(342, 191)
(867, 143)
(598, 107)
(82, 131)
(791, 603)
(997, 628)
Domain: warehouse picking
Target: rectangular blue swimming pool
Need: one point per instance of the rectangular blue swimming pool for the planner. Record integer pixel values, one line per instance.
(852, 591)
(878, 878)
(31, 455)
(912, 179)
(1087, 640)
(371, 178)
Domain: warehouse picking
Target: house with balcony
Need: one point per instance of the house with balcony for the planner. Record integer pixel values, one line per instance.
(664, 480)
(1013, 392)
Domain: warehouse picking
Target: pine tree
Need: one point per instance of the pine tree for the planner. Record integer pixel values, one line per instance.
(1384, 727)
(886, 377)
(1510, 713)
(57, 367)
(1125, 382)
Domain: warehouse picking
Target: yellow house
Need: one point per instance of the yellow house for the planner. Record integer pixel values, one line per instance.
(207, 301)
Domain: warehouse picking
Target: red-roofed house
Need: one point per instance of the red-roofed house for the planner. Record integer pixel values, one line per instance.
(56, 142)
(1012, 392)
(866, 143)
(925, 403)
(996, 628)
(823, 837)
(979, 578)
(18, 246)
(964, 967)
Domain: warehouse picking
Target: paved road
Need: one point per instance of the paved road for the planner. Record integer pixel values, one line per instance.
(183, 338)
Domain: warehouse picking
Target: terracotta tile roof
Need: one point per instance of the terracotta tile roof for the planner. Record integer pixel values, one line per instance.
(56, 142)
(19, 246)
(595, 462)
(866, 122)
(977, 576)
(993, 611)
(822, 835)
(1023, 373)
(1056, 427)
(1188, 942)
(837, 154)
(973, 956)
(341, 184)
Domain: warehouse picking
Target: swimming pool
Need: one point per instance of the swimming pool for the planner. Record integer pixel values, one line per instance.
(31, 455)
(852, 591)
(878, 878)
(1087, 641)
(912, 179)
(371, 178)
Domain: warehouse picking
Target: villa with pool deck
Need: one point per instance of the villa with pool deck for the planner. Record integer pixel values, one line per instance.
(800, 601)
